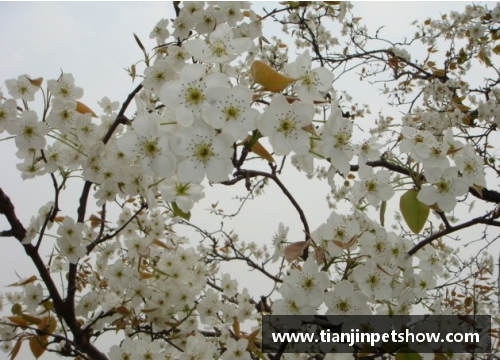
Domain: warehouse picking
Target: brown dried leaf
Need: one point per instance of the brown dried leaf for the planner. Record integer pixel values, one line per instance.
(294, 250)
(36, 82)
(320, 256)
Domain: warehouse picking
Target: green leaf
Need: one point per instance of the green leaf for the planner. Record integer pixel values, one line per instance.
(383, 207)
(408, 354)
(414, 212)
(179, 212)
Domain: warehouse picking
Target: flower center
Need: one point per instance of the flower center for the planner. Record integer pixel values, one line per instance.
(195, 96)
(343, 306)
(182, 189)
(231, 112)
(203, 152)
(371, 186)
(443, 186)
(287, 126)
(151, 147)
(29, 131)
(218, 48)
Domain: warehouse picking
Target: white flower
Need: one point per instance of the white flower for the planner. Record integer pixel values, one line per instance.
(229, 286)
(336, 138)
(64, 87)
(208, 20)
(7, 113)
(107, 106)
(310, 82)
(416, 143)
(160, 32)
(177, 56)
(337, 232)
(344, 301)
(236, 350)
(373, 187)
(209, 308)
(375, 244)
(71, 248)
(294, 302)
(230, 111)
(148, 143)
(183, 194)
(430, 261)
(34, 295)
(368, 151)
(188, 95)
(21, 88)
(232, 11)
(63, 115)
(283, 123)
(438, 155)
(199, 348)
(70, 229)
(446, 186)
(309, 282)
(28, 131)
(203, 153)
(279, 241)
(471, 166)
(372, 281)
(221, 47)
(157, 74)
(182, 25)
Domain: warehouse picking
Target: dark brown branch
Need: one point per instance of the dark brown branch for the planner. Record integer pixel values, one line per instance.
(245, 174)
(485, 194)
(17, 229)
(486, 220)
(81, 339)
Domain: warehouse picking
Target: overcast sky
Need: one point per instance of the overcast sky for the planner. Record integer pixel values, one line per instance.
(94, 41)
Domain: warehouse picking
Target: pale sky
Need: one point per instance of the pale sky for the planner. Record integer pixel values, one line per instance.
(94, 41)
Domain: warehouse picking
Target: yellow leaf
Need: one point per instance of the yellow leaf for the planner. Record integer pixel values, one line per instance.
(414, 212)
(95, 221)
(16, 348)
(37, 345)
(145, 275)
(30, 319)
(133, 72)
(161, 244)
(83, 109)
(259, 150)
(253, 335)
(439, 73)
(236, 327)
(294, 250)
(269, 78)
(48, 325)
(18, 320)
(31, 279)
(496, 49)
(311, 129)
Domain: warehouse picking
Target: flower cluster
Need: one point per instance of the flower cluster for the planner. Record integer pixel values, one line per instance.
(215, 97)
